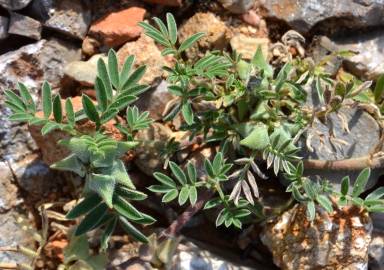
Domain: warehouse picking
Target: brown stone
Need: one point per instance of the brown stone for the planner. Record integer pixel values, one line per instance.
(24, 26)
(338, 240)
(118, 27)
(90, 46)
(146, 53)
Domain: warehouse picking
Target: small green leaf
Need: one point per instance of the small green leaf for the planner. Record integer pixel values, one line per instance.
(126, 209)
(192, 174)
(22, 117)
(70, 114)
(131, 194)
(103, 75)
(376, 194)
(361, 182)
(48, 127)
(91, 219)
(90, 109)
(172, 28)
(170, 196)
(57, 110)
(103, 185)
(183, 195)
(134, 77)
(308, 188)
(113, 69)
(212, 203)
(164, 179)
(209, 168)
(187, 112)
(109, 229)
(188, 43)
(178, 173)
(216, 165)
(192, 195)
(258, 139)
(70, 163)
(345, 182)
(86, 205)
(26, 97)
(379, 88)
(311, 210)
(101, 94)
(47, 99)
(259, 62)
(124, 75)
(132, 231)
(160, 188)
(325, 202)
(15, 100)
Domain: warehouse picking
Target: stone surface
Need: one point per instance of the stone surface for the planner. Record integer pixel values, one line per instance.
(216, 33)
(24, 26)
(174, 3)
(4, 23)
(14, 4)
(155, 100)
(90, 46)
(152, 141)
(118, 27)
(237, 6)
(339, 240)
(31, 65)
(247, 46)
(303, 15)
(376, 251)
(69, 17)
(146, 53)
(8, 190)
(84, 72)
(368, 63)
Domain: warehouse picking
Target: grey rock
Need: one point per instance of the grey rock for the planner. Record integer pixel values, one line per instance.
(303, 15)
(84, 72)
(4, 23)
(24, 26)
(40, 9)
(237, 6)
(31, 65)
(14, 4)
(69, 17)
(8, 190)
(155, 100)
(376, 251)
(368, 63)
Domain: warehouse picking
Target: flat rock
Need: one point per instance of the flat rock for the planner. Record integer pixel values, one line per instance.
(237, 6)
(216, 33)
(303, 15)
(14, 4)
(31, 65)
(84, 72)
(146, 53)
(118, 27)
(8, 190)
(69, 17)
(24, 26)
(247, 45)
(339, 240)
(154, 100)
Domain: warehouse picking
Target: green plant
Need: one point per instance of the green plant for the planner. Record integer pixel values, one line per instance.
(108, 190)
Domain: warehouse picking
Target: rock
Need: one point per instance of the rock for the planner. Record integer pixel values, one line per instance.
(368, 63)
(174, 3)
(339, 240)
(303, 15)
(118, 27)
(155, 100)
(146, 53)
(237, 6)
(24, 26)
(4, 23)
(84, 72)
(331, 141)
(376, 251)
(8, 190)
(148, 154)
(14, 4)
(247, 46)
(69, 17)
(31, 65)
(90, 46)
(216, 33)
